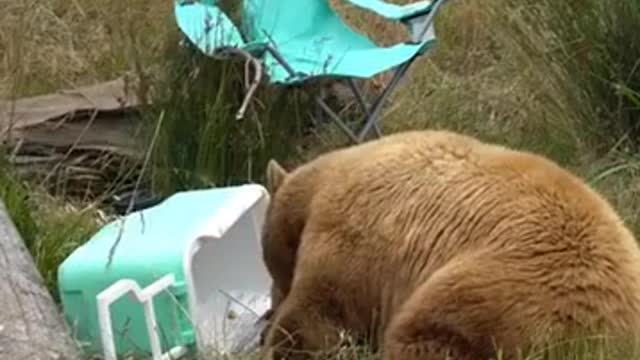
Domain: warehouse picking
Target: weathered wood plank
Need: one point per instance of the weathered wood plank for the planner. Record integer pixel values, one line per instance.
(31, 327)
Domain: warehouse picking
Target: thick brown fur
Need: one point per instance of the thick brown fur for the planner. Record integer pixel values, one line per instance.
(431, 243)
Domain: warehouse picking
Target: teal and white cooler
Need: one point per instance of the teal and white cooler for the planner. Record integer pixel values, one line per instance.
(186, 274)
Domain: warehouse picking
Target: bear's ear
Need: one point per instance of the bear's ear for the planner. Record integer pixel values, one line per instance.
(275, 176)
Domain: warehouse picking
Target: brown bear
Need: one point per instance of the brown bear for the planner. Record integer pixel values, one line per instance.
(431, 244)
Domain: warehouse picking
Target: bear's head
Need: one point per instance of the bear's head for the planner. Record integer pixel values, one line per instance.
(275, 230)
(285, 218)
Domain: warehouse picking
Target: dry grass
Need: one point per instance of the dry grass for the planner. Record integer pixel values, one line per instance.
(50, 45)
(538, 75)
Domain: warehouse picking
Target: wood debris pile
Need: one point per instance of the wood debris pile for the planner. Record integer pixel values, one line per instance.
(80, 143)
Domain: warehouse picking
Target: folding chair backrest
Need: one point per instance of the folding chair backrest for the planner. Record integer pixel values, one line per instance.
(285, 19)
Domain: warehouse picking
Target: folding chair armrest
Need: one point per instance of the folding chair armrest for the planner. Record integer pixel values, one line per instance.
(256, 48)
(395, 12)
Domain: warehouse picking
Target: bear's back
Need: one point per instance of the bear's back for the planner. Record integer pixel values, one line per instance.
(416, 200)
(411, 184)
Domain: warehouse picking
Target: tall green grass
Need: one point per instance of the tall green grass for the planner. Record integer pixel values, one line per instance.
(541, 75)
(593, 46)
(199, 142)
(50, 228)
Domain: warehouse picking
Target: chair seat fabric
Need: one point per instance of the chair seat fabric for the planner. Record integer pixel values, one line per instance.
(307, 34)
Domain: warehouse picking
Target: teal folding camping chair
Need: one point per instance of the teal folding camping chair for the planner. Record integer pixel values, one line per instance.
(294, 41)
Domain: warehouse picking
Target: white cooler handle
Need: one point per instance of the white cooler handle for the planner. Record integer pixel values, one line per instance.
(145, 297)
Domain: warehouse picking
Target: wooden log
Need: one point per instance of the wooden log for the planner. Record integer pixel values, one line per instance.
(31, 327)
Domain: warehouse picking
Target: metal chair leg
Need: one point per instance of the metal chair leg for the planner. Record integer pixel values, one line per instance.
(371, 113)
(371, 119)
(336, 118)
